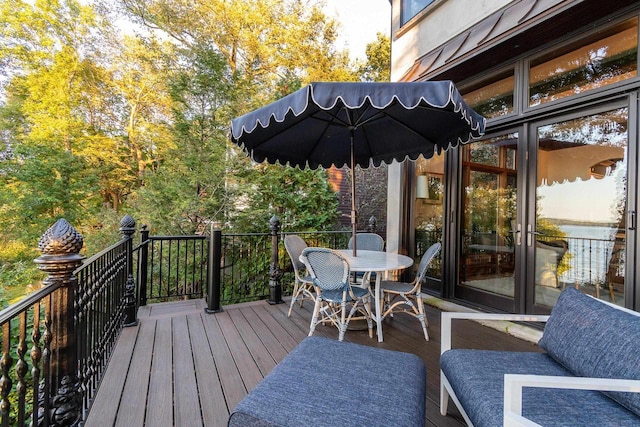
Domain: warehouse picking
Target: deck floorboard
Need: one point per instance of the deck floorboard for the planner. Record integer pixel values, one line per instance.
(180, 366)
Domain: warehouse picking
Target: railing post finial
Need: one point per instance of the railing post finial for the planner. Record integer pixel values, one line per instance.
(60, 246)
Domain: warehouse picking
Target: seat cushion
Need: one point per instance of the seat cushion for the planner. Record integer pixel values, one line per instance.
(335, 295)
(593, 339)
(400, 287)
(477, 377)
(323, 382)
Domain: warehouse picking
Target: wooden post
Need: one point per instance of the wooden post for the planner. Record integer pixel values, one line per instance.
(60, 246)
(275, 273)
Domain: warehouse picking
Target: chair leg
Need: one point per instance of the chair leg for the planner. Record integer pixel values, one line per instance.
(294, 296)
(367, 307)
(444, 397)
(343, 319)
(314, 318)
(422, 317)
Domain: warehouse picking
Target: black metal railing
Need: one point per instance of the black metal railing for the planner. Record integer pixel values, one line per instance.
(28, 362)
(588, 262)
(175, 267)
(172, 267)
(57, 342)
(99, 314)
(423, 240)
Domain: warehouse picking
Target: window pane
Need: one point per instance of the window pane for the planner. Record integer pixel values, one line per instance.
(485, 154)
(493, 98)
(429, 212)
(410, 8)
(580, 207)
(489, 208)
(595, 62)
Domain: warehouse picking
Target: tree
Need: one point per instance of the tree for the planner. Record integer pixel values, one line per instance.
(260, 39)
(378, 65)
(191, 186)
(47, 55)
(270, 48)
(140, 117)
(302, 199)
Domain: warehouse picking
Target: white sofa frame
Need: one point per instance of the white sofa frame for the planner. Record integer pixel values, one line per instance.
(515, 383)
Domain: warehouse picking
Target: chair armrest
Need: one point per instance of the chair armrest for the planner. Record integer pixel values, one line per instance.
(514, 383)
(448, 316)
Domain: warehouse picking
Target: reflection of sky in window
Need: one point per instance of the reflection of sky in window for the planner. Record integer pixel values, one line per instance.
(591, 200)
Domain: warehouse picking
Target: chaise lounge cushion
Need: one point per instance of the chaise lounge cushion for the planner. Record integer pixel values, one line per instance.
(477, 376)
(324, 382)
(591, 340)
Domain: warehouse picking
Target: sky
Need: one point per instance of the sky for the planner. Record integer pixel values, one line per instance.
(360, 21)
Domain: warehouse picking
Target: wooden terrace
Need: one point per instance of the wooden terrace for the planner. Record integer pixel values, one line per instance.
(182, 367)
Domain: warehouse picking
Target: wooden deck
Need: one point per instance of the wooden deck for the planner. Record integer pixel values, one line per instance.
(182, 367)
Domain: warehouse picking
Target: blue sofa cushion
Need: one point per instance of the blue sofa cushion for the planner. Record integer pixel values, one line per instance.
(477, 376)
(592, 339)
(324, 382)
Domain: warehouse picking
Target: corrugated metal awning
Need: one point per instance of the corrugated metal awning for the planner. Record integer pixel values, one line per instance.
(521, 19)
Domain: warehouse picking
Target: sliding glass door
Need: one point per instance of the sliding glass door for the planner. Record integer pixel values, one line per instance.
(577, 233)
(488, 238)
(543, 210)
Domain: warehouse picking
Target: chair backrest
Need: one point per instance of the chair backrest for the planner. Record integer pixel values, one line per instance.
(329, 269)
(294, 246)
(367, 242)
(426, 260)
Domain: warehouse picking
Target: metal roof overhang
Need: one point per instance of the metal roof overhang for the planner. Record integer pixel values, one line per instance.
(519, 27)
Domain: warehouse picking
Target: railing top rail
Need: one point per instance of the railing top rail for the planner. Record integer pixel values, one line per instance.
(141, 244)
(244, 234)
(100, 254)
(14, 309)
(190, 237)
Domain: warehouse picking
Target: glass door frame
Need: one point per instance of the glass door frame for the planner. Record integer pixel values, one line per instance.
(453, 231)
(528, 235)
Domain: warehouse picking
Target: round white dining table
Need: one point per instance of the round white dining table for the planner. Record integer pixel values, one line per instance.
(376, 262)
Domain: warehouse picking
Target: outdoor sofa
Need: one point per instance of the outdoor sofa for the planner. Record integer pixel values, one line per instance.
(588, 374)
(324, 382)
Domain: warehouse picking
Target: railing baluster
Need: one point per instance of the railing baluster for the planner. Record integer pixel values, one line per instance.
(5, 381)
(22, 369)
(36, 359)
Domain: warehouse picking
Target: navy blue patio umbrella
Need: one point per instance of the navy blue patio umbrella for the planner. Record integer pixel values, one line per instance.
(357, 124)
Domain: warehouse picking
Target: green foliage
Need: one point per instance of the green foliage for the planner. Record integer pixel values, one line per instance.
(19, 275)
(302, 199)
(94, 124)
(377, 68)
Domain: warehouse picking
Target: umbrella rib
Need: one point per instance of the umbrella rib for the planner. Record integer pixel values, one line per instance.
(407, 127)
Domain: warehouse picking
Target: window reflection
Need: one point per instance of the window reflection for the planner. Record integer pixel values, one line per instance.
(429, 211)
(492, 98)
(411, 8)
(580, 207)
(597, 61)
(490, 198)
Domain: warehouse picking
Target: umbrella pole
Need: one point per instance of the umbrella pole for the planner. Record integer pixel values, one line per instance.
(354, 215)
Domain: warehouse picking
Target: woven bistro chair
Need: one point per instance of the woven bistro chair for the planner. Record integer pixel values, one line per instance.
(408, 295)
(334, 293)
(303, 283)
(366, 242)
